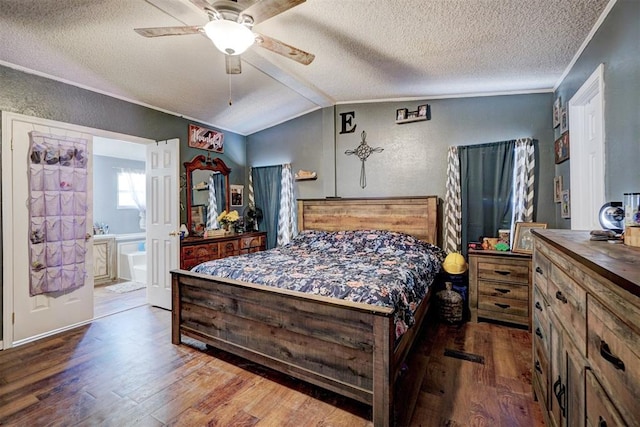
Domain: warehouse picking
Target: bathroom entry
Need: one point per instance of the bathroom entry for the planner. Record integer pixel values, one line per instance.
(119, 224)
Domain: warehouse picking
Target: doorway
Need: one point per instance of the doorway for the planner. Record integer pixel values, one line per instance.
(120, 261)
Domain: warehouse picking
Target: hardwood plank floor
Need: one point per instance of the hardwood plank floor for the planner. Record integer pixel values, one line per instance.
(106, 302)
(122, 370)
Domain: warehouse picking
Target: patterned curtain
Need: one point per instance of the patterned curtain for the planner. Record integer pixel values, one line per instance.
(452, 208)
(212, 211)
(287, 227)
(523, 182)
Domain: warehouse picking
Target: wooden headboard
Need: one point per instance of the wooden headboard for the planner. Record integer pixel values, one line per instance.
(417, 216)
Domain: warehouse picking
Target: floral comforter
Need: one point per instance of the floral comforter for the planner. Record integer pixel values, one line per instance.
(373, 267)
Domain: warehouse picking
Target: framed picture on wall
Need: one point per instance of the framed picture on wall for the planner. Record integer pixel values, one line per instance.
(401, 114)
(557, 189)
(556, 113)
(523, 240)
(564, 121)
(565, 205)
(236, 195)
(561, 148)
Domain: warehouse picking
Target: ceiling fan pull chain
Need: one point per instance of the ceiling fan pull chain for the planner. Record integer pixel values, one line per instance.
(230, 101)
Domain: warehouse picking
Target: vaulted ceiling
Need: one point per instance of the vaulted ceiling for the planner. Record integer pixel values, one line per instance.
(366, 50)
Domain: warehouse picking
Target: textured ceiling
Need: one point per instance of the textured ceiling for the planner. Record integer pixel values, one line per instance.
(365, 50)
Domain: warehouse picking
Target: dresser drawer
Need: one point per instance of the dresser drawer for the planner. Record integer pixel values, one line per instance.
(251, 242)
(600, 409)
(505, 290)
(614, 354)
(567, 300)
(541, 266)
(506, 270)
(229, 248)
(541, 332)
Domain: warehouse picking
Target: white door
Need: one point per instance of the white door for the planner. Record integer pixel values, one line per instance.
(40, 315)
(163, 218)
(586, 139)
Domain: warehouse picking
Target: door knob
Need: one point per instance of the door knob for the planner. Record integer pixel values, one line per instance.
(174, 233)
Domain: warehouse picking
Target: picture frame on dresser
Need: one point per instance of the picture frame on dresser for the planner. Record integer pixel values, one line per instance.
(523, 240)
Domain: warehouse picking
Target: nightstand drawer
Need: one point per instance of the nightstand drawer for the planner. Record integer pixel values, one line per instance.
(497, 305)
(514, 271)
(504, 290)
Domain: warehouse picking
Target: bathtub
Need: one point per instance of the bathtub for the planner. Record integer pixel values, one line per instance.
(126, 245)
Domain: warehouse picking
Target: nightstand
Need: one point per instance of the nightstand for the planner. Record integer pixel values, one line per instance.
(500, 286)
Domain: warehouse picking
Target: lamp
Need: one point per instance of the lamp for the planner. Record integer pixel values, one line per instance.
(231, 38)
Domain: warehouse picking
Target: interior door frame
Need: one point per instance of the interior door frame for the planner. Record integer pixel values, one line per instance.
(7, 214)
(587, 191)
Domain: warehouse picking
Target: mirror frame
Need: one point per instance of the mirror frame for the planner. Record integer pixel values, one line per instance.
(204, 163)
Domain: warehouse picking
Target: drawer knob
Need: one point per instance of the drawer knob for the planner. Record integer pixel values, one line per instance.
(538, 305)
(605, 352)
(503, 291)
(502, 305)
(502, 272)
(539, 270)
(539, 333)
(561, 297)
(601, 422)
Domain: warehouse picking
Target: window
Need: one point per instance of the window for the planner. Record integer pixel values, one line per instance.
(131, 189)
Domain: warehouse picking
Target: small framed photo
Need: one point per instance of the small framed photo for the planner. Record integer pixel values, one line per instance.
(198, 217)
(556, 113)
(564, 121)
(236, 195)
(401, 114)
(557, 189)
(561, 148)
(424, 111)
(565, 205)
(522, 239)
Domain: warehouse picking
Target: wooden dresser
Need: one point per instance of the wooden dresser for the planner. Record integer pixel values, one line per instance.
(195, 250)
(500, 286)
(586, 320)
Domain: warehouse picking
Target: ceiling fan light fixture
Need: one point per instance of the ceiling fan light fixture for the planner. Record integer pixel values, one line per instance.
(230, 38)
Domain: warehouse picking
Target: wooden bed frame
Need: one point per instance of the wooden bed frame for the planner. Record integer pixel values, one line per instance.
(345, 347)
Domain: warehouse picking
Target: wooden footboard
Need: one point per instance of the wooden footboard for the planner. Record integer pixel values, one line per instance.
(344, 347)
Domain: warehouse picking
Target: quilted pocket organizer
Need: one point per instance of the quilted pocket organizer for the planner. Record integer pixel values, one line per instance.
(52, 203)
(54, 228)
(53, 254)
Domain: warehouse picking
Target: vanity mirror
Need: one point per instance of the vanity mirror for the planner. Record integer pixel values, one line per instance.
(198, 171)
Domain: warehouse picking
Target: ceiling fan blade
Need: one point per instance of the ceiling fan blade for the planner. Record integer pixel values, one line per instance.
(168, 31)
(233, 63)
(202, 4)
(265, 9)
(284, 49)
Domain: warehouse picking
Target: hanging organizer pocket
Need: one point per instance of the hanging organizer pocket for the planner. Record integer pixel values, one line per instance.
(66, 179)
(80, 180)
(53, 279)
(37, 233)
(68, 276)
(80, 225)
(80, 156)
(54, 254)
(80, 274)
(69, 253)
(68, 228)
(38, 282)
(36, 178)
(37, 203)
(37, 257)
(79, 203)
(81, 250)
(52, 203)
(51, 178)
(66, 203)
(54, 228)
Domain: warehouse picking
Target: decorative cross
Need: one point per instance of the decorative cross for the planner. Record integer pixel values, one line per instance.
(363, 151)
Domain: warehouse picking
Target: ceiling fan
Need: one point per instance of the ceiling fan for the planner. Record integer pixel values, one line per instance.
(230, 29)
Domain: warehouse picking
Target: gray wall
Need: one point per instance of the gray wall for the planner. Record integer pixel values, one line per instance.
(415, 154)
(105, 195)
(616, 45)
(44, 98)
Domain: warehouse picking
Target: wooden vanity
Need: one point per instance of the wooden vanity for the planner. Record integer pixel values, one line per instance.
(195, 250)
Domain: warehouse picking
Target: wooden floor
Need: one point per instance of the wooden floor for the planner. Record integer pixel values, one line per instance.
(106, 302)
(122, 370)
